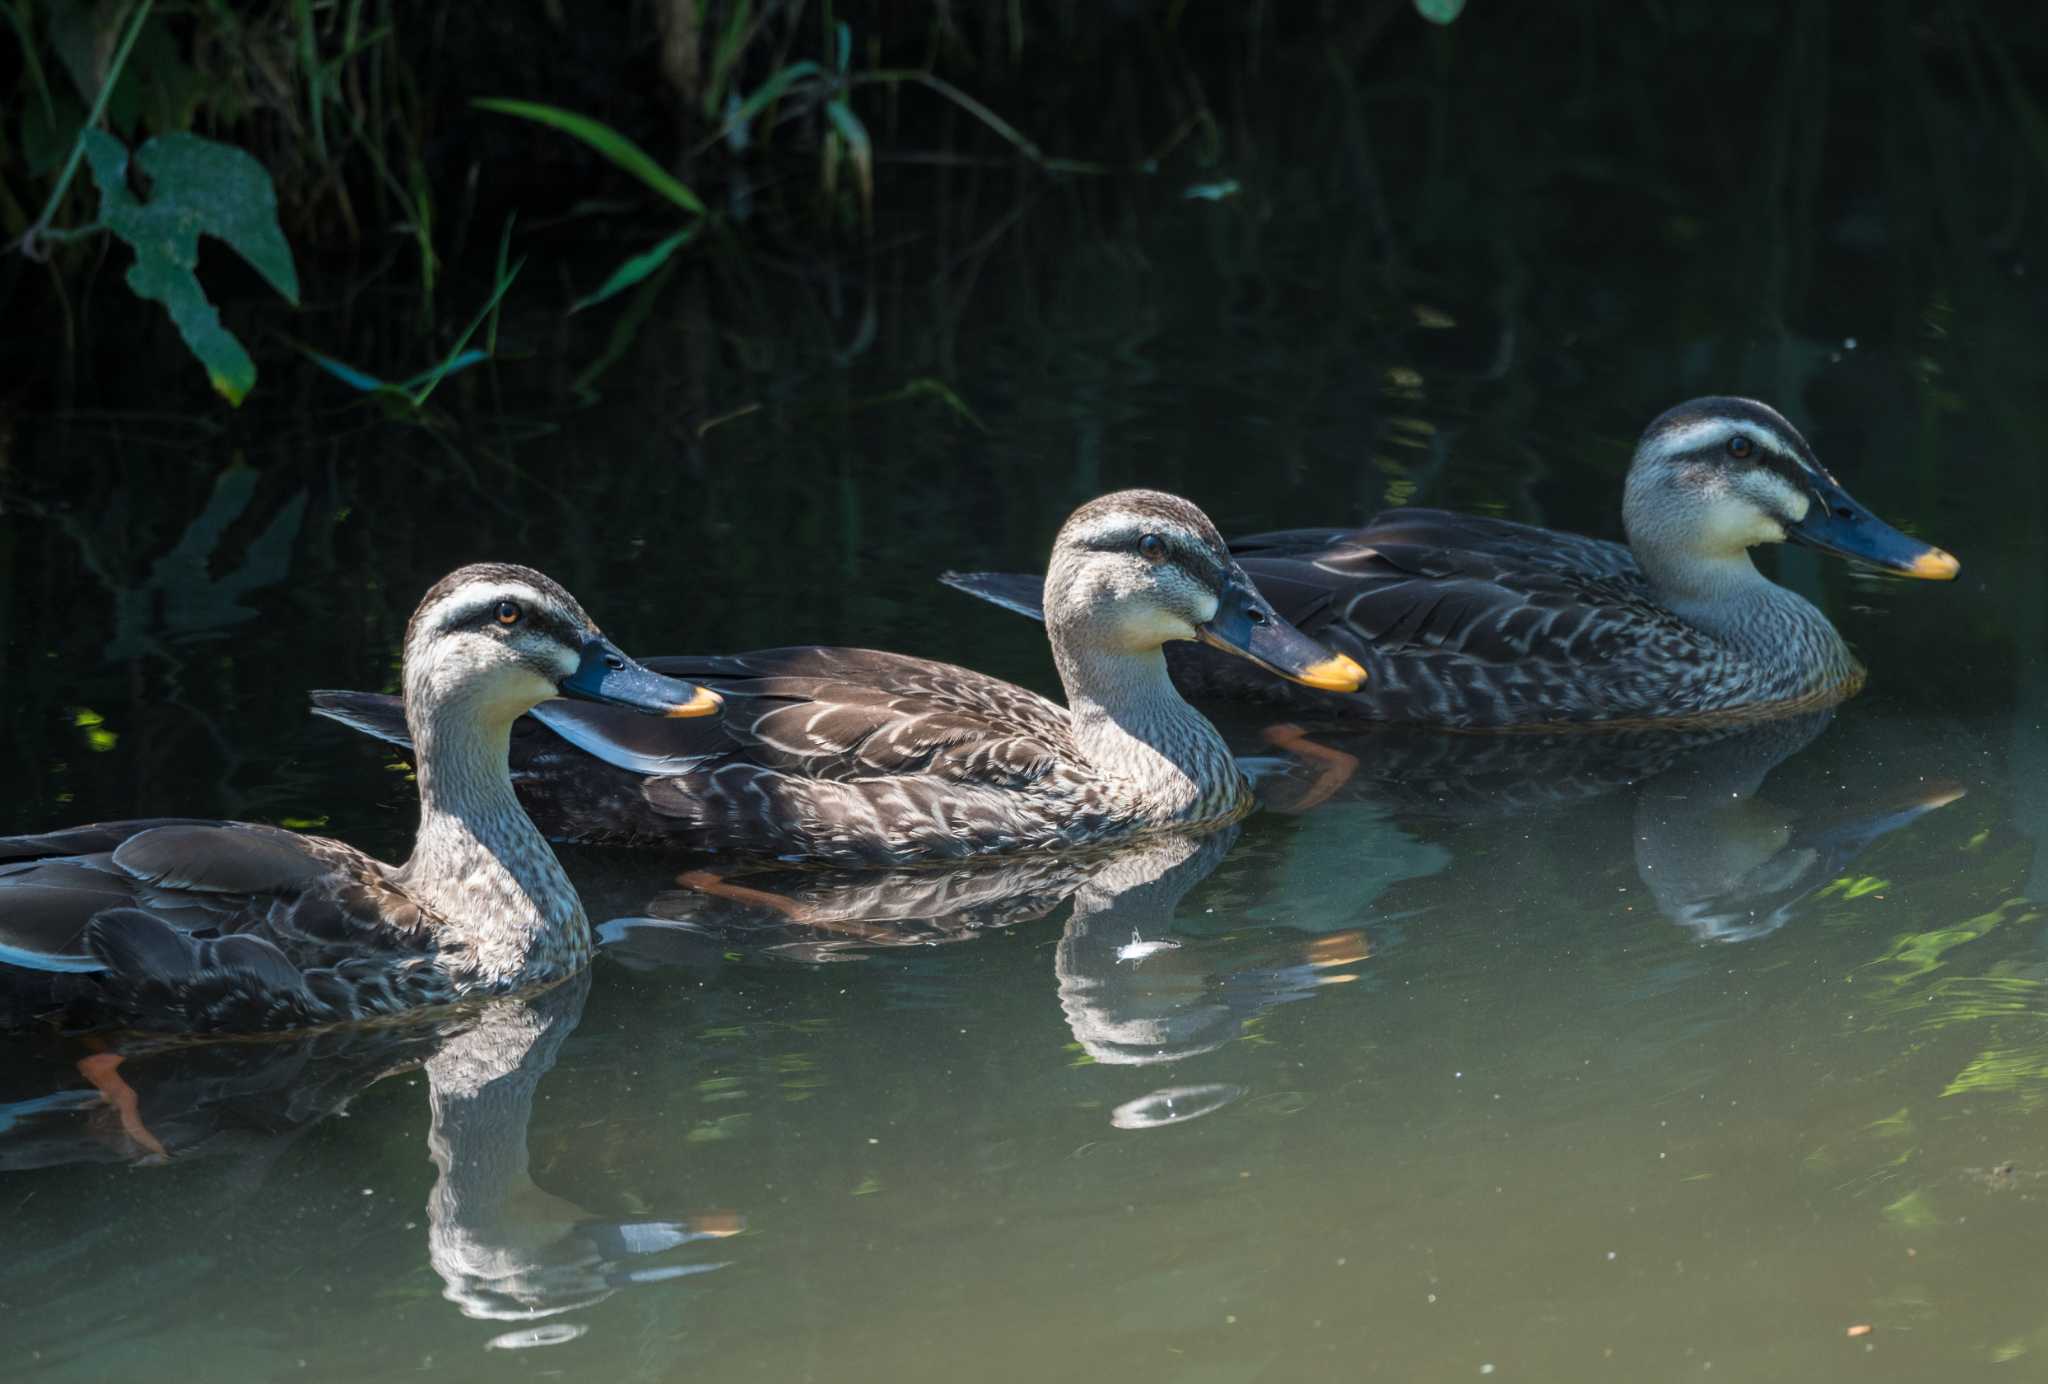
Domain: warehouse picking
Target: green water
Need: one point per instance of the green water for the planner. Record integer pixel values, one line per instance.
(1512, 1060)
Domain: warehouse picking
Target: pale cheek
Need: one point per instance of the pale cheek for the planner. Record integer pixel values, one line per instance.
(1147, 627)
(1733, 523)
(519, 695)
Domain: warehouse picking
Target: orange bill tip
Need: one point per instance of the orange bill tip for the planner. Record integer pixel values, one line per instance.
(1935, 565)
(704, 702)
(1337, 673)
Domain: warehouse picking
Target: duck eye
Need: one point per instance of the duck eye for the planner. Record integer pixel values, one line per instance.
(509, 613)
(1740, 447)
(1152, 548)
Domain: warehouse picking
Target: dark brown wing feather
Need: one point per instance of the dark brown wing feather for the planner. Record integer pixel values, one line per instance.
(1465, 620)
(851, 714)
(202, 926)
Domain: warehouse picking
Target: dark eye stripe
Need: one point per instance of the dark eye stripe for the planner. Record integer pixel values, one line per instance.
(1199, 563)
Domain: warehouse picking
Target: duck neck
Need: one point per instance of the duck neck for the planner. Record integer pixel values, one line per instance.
(478, 860)
(1724, 596)
(1132, 727)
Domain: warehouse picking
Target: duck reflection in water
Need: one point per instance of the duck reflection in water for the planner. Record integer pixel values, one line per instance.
(1135, 992)
(504, 1248)
(1719, 857)
(1176, 1004)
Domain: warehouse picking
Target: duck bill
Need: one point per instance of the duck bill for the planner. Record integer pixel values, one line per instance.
(1246, 624)
(1837, 523)
(608, 676)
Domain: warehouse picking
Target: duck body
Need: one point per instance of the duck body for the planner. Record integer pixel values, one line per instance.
(214, 926)
(1468, 621)
(845, 756)
(1481, 623)
(848, 755)
(858, 756)
(190, 925)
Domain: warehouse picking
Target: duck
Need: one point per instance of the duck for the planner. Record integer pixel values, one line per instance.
(1471, 622)
(200, 926)
(858, 756)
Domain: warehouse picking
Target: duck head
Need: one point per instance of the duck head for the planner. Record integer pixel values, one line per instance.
(1136, 569)
(1716, 476)
(495, 640)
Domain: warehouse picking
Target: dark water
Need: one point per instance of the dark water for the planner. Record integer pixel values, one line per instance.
(1517, 1059)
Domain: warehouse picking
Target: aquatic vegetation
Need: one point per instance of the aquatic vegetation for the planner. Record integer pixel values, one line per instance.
(197, 186)
(625, 154)
(409, 396)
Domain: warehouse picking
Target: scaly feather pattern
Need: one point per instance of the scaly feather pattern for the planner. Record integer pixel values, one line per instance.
(190, 925)
(858, 756)
(1469, 621)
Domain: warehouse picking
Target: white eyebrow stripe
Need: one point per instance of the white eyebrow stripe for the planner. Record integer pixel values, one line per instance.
(1110, 527)
(466, 600)
(1708, 433)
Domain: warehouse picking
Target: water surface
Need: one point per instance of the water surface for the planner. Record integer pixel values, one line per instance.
(1521, 1060)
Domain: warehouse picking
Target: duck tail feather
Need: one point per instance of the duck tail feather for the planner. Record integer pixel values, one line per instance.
(1022, 592)
(375, 714)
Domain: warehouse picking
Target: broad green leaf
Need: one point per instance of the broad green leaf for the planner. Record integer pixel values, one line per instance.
(1439, 11)
(606, 141)
(196, 186)
(636, 269)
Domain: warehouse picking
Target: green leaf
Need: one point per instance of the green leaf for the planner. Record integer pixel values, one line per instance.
(742, 115)
(1439, 11)
(420, 386)
(606, 141)
(426, 379)
(624, 331)
(732, 44)
(856, 136)
(355, 379)
(636, 269)
(196, 186)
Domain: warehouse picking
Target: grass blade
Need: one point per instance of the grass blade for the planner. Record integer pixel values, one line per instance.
(636, 269)
(606, 141)
(461, 360)
(355, 379)
(856, 136)
(456, 356)
(770, 91)
(967, 103)
(504, 255)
